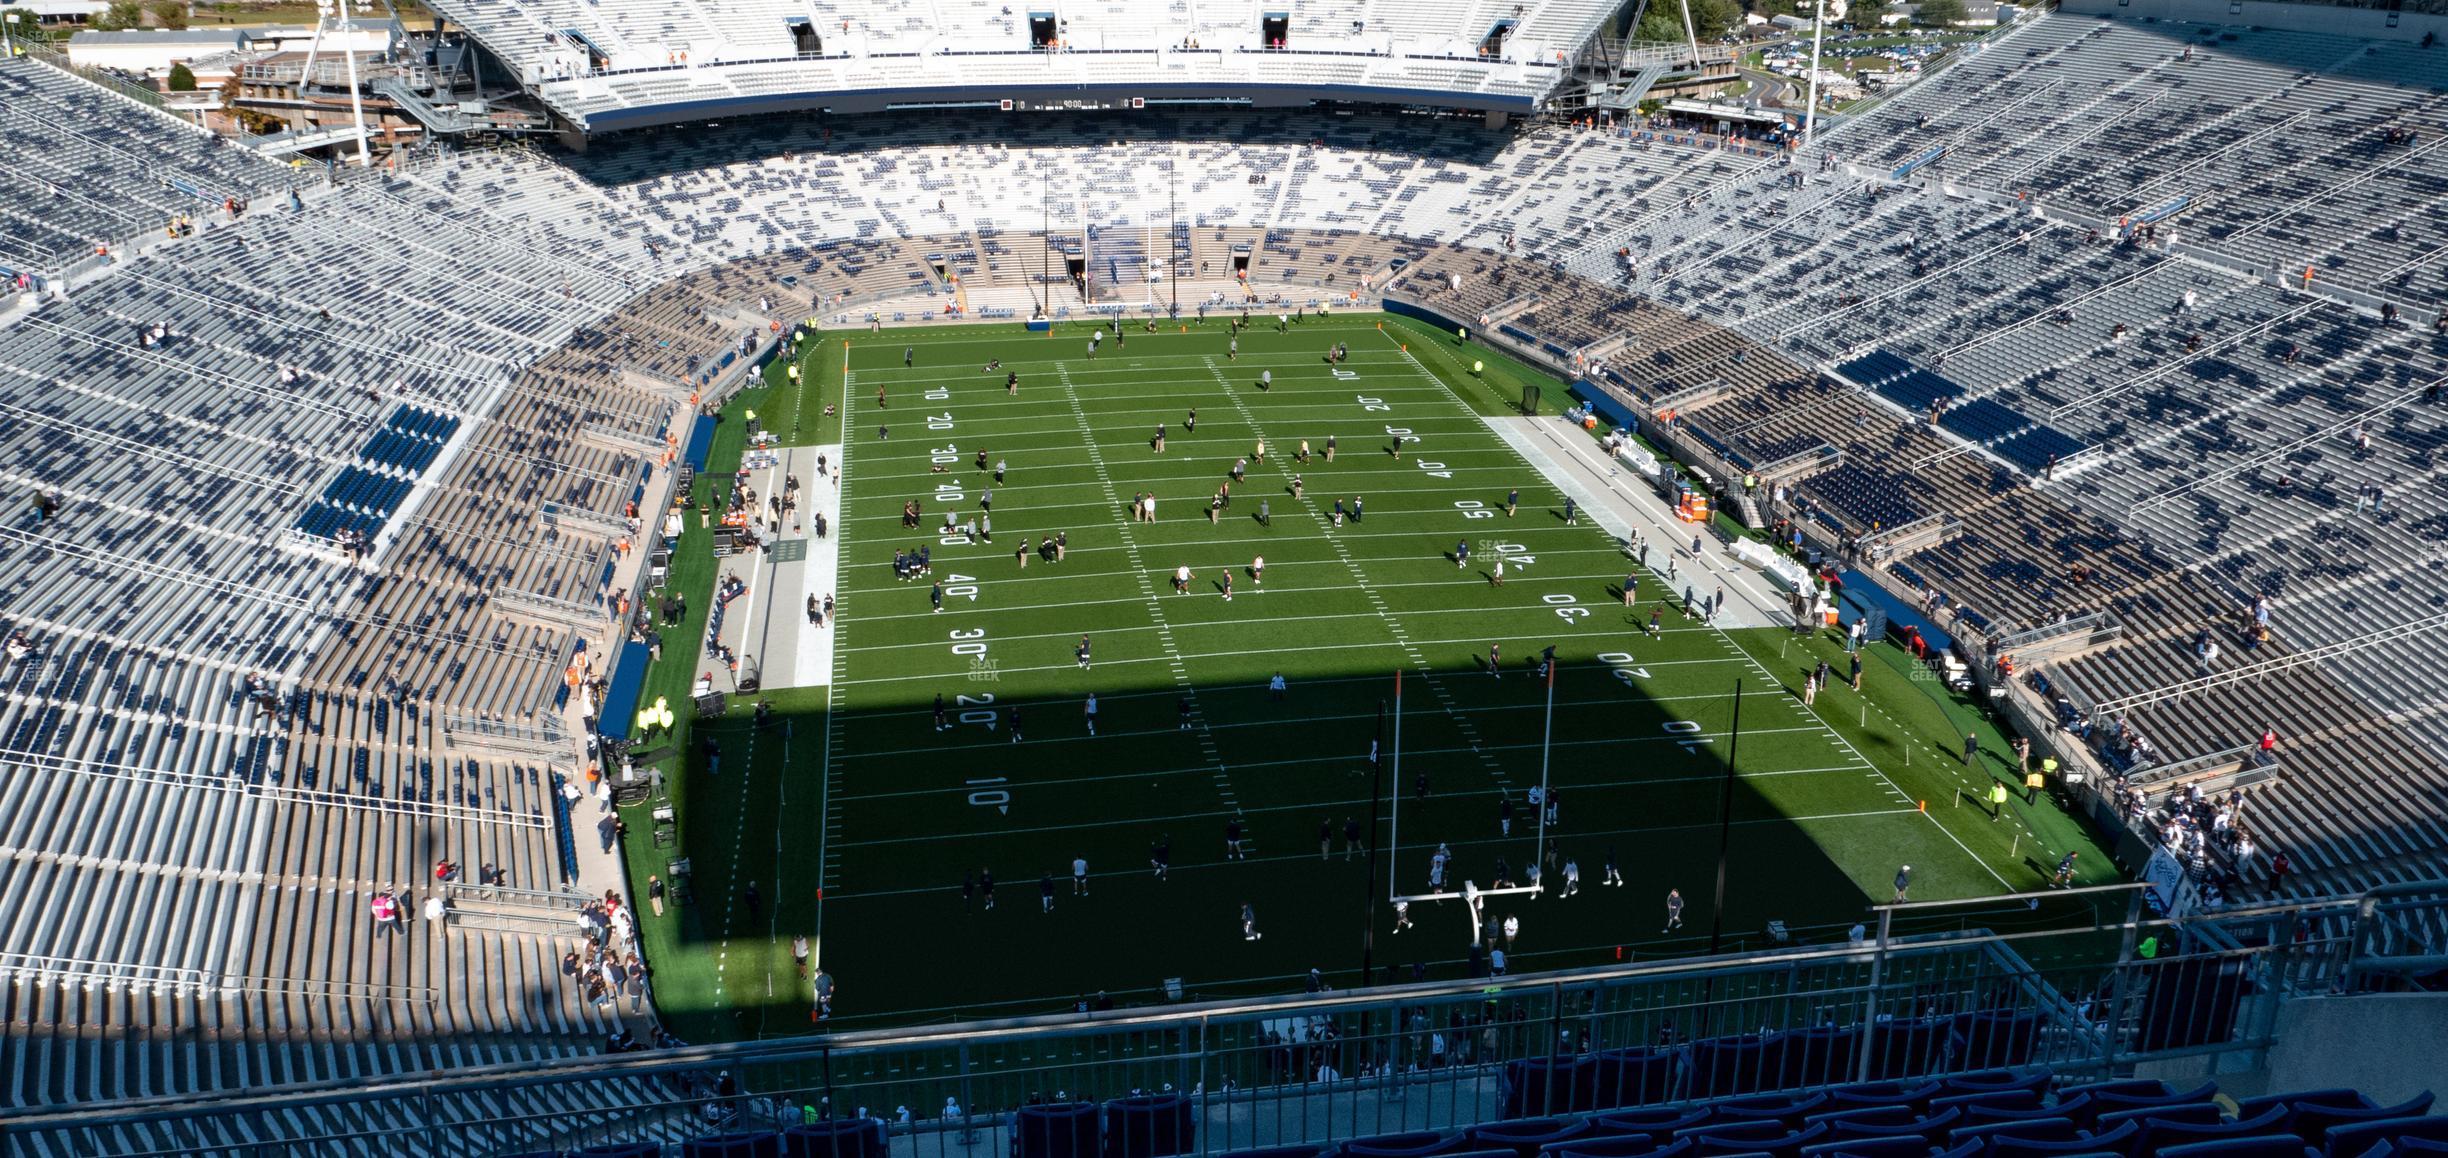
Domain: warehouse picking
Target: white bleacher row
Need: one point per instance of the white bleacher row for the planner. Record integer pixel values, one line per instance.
(769, 187)
(2277, 137)
(72, 187)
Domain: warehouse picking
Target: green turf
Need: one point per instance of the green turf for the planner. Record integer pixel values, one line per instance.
(854, 790)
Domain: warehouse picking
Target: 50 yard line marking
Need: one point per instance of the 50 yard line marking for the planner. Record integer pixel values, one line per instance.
(1155, 603)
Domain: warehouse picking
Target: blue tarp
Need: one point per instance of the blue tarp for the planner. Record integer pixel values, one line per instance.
(1616, 413)
(701, 442)
(621, 698)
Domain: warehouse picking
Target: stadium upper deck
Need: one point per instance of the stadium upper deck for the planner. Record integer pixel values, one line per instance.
(627, 64)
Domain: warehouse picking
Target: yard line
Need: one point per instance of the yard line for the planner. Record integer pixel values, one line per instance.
(1474, 746)
(1155, 603)
(1308, 685)
(1103, 602)
(1461, 843)
(1471, 641)
(1450, 794)
(1540, 609)
(1202, 474)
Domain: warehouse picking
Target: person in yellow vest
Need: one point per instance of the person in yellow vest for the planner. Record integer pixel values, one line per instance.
(2033, 782)
(1997, 801)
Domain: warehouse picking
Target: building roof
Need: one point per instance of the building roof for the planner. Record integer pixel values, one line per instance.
(151, 37)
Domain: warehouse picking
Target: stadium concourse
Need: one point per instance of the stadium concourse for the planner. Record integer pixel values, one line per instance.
(2115, 347)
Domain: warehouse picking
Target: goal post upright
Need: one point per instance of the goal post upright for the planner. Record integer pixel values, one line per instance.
(1546, 743)
(1394, 809)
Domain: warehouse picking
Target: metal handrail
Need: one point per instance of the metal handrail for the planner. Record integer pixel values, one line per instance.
(1200, 1018)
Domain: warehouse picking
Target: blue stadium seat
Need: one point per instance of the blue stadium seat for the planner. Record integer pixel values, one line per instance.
(846, 1138)
(1992, 1038)
(1415, 1144)
(2266, 1146)
(2034, 1129)
(1550, 1085)
(1149, 1126)
(2143, 1086)
(1788, 1144)
(1739, 1064)
(1787, 1109)
(1979, 1111)
(1908, 1047)
(2337, 1096)
(2353, 1139)
(1912, 1147)
(1820, 1055)
(1609, 1145)
(756, 1144)
(1274, 1152)
(1631, 1077)
(2000, 1099)
(2111, 1102)
(1892, 1115)
(1528, 1136)
(2167, 1127)
(2312, 1122)
(1929, 1126)
(621, 1150)
(1722, 1132)
(1914, 1094)
(1068, 1130)
(1998, 1079)
(1680, 1148)
(2121, 1140)
(2406, 1148)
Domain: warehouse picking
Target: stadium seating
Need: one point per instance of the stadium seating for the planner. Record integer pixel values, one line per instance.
(215, 691)
(1788, 1127)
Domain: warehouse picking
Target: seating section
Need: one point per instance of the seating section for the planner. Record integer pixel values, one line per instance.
(72, 186)
(228, 735)
(1987, 1114)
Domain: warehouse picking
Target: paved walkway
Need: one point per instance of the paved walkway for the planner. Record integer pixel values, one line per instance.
(1624, 502)
(767, 626)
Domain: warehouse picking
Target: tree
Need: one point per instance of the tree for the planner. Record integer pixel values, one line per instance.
(182, 78)
(1941, 13)
(121, 15)
(1710, 19)
(170, 13)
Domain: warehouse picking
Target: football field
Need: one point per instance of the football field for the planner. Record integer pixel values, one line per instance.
(872, 829)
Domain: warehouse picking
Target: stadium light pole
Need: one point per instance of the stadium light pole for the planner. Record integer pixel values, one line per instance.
(1173, 236)
(1046, 243)
(1725, 824)
(1810, 104)
(1691, 33)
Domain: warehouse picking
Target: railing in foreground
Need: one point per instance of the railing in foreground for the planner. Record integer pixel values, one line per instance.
(2115, 989)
